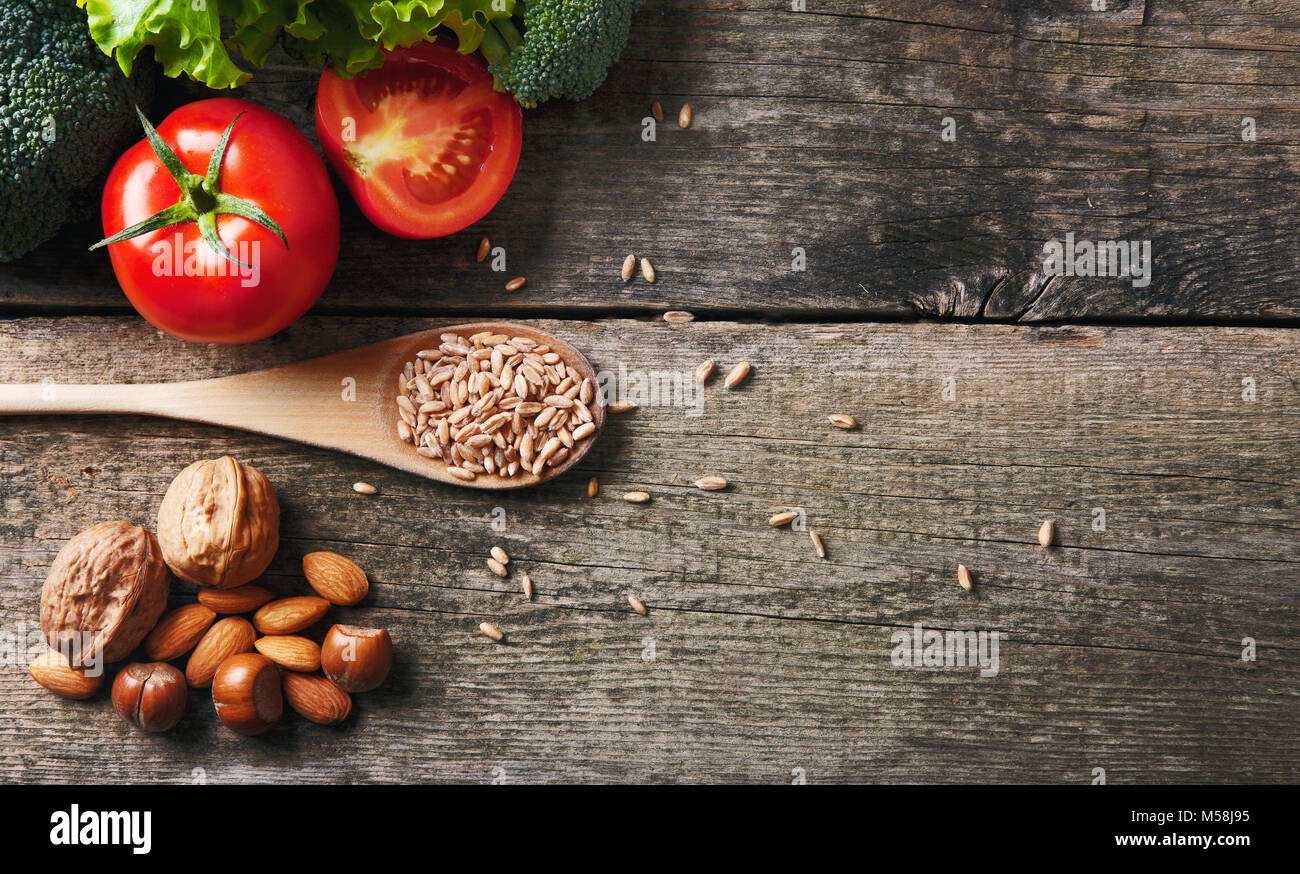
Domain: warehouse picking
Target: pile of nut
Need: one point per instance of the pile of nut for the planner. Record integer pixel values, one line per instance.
(218, 527)
(493, 404)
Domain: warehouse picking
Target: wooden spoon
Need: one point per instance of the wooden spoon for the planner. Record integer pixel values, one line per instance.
(306, 402)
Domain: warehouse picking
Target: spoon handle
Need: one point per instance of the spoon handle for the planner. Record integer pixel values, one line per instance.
(48, 397)
(298, 409)
(310, 403)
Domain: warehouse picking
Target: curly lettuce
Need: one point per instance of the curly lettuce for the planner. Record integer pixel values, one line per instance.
(199, 38)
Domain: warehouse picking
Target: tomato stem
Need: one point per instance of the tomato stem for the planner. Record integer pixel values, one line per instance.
(202, 199)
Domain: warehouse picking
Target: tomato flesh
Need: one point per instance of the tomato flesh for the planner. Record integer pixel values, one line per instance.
(424, 144)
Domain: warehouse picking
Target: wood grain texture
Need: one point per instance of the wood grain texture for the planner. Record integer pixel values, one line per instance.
(1120, 648)
(821, 130)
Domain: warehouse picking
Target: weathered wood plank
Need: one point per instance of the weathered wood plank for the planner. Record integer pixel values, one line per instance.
(724, 700)
(821, 130)
(1120, 648)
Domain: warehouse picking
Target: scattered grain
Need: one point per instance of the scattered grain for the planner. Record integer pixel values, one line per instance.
(711, 483)
(678, 317)
(491, 631)
(526, 583)
(963, 577)
(647, 270)
(785, 517)
(636, 497)
(1046, 533)
(515, 284)
(817, 543)
(737, 375)
(629, 266)
(622, 406)
(839, 420)
(636, 603)
(484, 247)
(703, 371)
(496, 567)
(364, 488)
(684, 117)
(657, 111)
(500, 555)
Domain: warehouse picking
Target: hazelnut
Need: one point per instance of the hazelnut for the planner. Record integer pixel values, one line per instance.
(151, 696)
(356, 659)
(105, 591)
(246, 693)
(219, 523)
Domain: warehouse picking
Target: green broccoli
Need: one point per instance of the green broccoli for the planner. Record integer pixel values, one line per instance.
(565, 48)
(65, 114)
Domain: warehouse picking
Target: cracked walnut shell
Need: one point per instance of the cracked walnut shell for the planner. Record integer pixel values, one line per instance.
(105, 591)
(219, 523)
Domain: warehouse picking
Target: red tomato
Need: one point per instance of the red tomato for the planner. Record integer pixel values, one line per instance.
(179, 282)
(423, 143)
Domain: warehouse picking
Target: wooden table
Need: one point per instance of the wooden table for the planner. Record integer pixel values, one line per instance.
(1158, 426)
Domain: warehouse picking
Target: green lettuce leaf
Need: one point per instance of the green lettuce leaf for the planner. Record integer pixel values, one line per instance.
(185, 39)
(347, 35)
(259, 23)
(338, 34)
(469, 19)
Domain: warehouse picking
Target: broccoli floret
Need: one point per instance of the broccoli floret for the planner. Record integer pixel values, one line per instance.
(65, 113)
(565, 49)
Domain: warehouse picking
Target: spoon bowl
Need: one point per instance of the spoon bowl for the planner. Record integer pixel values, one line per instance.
(345, 401)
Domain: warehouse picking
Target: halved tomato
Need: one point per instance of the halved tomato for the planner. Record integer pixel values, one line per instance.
(423, 143)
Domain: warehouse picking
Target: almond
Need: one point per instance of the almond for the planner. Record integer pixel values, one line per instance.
(337, 579)
(290, 651)
(241, 599)
(228, 637)
(289, 615)
(178, 632)
(53, 671)
(316, 698)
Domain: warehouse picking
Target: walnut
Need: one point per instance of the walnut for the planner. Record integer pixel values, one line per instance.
(219, 523)
(109, 583)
